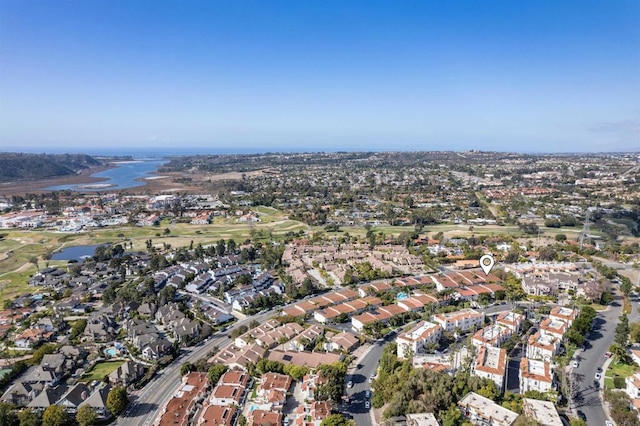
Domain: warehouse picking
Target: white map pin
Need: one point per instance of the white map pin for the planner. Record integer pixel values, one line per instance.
(486, 263)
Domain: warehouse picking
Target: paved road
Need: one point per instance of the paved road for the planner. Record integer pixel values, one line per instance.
(588, 399)
(146, 403)
(360, 377)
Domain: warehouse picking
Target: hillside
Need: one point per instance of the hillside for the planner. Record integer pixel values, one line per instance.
(21, 167)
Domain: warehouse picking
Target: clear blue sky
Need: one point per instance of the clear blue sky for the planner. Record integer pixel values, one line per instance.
(264, 75)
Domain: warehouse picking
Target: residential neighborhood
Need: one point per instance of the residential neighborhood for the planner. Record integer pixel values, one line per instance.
(347, 317)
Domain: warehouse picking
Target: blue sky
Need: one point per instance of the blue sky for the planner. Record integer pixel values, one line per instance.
(529, 76)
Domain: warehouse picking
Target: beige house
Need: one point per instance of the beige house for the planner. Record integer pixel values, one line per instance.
(417, 338)
(464, 319)
(535, 375)
(544, 412)
(491, 363)
(484, 412)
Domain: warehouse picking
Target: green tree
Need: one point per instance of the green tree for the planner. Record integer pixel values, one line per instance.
(523, 420)
(578, 422)
(55, 415)
(622, 331)
(78, 328)
(337, 420)
(221, 248)
(626, 286)
(634, 332)
(332, 389)
(47, 348)
(452, 416)
(29, 417)
(8, 416)
(489, 390)
(215, 372)
(547, 253)
(185, 368)
(561, 237)
(86, 416)
(117, 400)
(296, 371)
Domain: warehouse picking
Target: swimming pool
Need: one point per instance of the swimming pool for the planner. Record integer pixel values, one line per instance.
(111, 352)
(402, 296)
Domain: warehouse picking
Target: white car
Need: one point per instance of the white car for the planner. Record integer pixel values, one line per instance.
(598, 376)
(350, 384)
(574, 364)
(367, 405)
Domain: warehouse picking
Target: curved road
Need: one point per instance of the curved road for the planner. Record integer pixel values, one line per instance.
(360, 377)
(589, 399)
(146, 403)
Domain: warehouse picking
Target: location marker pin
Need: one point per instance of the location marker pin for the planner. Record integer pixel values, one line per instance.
(486, 263)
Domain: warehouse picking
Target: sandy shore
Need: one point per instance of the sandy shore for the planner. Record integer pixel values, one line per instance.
(153, 184)
(37, 186)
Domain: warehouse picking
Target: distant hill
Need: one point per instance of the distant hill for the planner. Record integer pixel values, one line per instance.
(18, 166)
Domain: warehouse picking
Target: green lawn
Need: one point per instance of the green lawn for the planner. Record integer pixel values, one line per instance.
(15, 269)
(100, 370)
(598, 307)
(617, 370)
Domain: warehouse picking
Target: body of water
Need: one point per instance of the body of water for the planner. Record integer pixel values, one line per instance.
(76, 252)
(126, 174)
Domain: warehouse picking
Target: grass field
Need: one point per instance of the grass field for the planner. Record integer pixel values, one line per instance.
(100, 370)
(617, 370)
(19, 247)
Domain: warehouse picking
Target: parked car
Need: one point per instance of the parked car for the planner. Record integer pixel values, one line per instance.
(367, 405)
(350, 384)
(574, 364)
(598, 376)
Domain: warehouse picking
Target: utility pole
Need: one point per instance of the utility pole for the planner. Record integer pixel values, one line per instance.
(585, 229)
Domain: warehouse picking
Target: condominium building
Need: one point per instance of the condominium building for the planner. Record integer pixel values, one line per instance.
(417, 338)
(484, 412)
(464, 319)
(535, 375)
(491, 363)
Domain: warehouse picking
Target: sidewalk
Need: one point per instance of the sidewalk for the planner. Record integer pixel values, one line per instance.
(358, 354)
(605, 405)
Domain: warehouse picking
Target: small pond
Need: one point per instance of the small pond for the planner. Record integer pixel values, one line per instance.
(76, 252)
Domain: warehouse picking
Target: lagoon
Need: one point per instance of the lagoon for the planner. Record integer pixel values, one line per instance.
(126, 174)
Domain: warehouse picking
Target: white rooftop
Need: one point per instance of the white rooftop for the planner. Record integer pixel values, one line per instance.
(422, 419)
(418, 331)
(488, 409)
(542, 411)
(492, 357)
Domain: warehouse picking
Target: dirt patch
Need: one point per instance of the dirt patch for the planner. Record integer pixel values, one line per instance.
(233, 175)
(23, 267)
